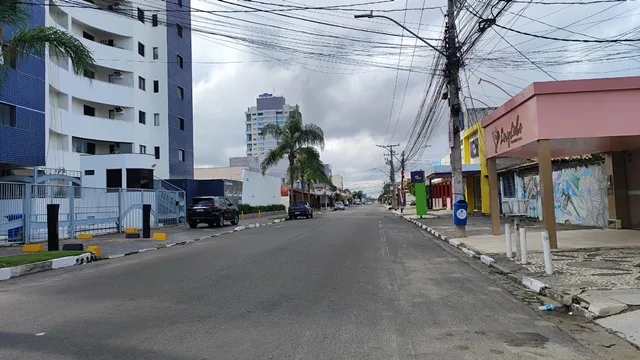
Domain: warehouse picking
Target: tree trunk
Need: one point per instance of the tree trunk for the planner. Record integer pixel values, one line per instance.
(309, 189)
(292, 159)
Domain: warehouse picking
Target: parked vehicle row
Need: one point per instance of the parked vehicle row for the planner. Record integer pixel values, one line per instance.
(212, 210)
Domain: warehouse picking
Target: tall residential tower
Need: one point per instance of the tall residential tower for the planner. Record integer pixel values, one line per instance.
(269, 109)
(119, 125)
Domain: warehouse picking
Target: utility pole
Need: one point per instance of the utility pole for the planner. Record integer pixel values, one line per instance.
(452, 71)
(402, 163)
(392, 173)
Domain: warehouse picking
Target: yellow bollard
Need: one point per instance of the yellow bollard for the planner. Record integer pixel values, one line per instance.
(241, 215)
(96, 250)
(258, 214)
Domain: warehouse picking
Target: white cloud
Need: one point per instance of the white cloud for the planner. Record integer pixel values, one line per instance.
(352, 101)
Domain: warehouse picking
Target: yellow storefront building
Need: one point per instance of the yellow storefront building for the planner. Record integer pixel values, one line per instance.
(476, 185)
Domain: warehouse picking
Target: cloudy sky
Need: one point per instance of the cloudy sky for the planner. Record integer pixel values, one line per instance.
(350, 76)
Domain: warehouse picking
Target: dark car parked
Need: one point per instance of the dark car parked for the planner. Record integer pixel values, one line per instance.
(212, 210)
(300, 209)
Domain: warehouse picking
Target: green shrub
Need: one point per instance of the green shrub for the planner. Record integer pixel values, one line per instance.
(248, 209)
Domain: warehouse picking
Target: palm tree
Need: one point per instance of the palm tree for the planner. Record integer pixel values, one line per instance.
(310, 169)
(292, 138)
(14, 14)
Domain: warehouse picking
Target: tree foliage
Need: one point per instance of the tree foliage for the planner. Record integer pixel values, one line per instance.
(294, 138)
(14, 16)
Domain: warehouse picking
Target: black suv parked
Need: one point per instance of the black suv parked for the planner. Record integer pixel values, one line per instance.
(212, 210)
(300, 209)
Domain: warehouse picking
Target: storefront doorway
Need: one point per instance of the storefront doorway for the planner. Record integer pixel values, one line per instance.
(632, 170)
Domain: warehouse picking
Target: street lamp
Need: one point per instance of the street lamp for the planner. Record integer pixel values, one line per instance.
(494, 84)
(371, 16)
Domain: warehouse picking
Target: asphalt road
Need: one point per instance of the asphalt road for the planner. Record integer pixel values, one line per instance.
(358, 284)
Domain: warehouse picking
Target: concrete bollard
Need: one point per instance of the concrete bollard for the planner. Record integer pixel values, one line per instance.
(507, 233)
(546, 250)
(523, 245)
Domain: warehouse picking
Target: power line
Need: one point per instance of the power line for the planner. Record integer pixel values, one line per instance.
(605, 41)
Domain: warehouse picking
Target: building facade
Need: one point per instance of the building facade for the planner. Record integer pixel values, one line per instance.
(125, 122)
(269, 109)
(338, 181)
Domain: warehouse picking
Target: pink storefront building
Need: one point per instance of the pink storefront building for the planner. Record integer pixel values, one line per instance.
(550, 120)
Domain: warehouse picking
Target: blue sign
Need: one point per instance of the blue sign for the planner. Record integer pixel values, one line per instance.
(265, 95)
(417, 176)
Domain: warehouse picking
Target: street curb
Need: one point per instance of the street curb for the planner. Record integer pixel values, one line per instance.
(59, 263)
(187, 242)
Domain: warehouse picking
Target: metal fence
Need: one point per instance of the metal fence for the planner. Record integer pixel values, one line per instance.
(97, 211)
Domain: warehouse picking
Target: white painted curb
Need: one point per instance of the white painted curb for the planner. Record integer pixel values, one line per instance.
(63, 262)
(533, 284)
(59, 263)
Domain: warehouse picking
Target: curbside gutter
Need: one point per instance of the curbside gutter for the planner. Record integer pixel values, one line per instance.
(60, 263)
(528, 282)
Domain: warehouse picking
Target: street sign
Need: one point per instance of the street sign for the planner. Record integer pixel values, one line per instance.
(417, 176)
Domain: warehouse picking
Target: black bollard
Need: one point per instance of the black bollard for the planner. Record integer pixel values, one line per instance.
(53, 239)
(146, 221)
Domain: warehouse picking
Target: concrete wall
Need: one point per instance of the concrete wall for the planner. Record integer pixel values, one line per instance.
(208, 173)
(258, 189)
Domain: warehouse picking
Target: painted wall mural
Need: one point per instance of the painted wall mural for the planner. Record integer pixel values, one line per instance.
(579, 195)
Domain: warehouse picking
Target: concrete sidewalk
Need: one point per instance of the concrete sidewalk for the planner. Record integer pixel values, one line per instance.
(116, 244)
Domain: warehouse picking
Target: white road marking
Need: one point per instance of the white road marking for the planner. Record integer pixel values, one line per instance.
(383, 239)
(413, 352)
(395, 283)
(40, 334)
(387, 250)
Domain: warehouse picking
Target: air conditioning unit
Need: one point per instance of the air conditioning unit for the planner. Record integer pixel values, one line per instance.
(118, 110)
(117, 74)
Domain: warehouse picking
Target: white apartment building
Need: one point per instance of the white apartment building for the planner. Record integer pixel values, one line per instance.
(269, 109)
(131, 119)
(338, 181)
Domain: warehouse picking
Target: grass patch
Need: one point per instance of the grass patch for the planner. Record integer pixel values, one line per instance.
(16, 260)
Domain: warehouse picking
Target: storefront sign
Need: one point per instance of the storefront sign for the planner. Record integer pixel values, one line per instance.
(417, 177)
(509, 136)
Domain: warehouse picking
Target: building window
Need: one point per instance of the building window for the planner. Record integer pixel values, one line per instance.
(140, 49)
(141, 15)
(7, 115)
(156, 119)
(154, 20)
(143, 149)
(91, 148)
(139, 179)
(89, 74)
(180, 62)
(142, 83)
(88, 36)
(181, 123)
(142, 117)
(156, 152)
(248, 137)
(114, 178)
(89, 110)
(155, 53)
(508, 186)
(248, 127)
(179, 28)
(156, 86)
(180, 93)
(89, 172)
(181, 156)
